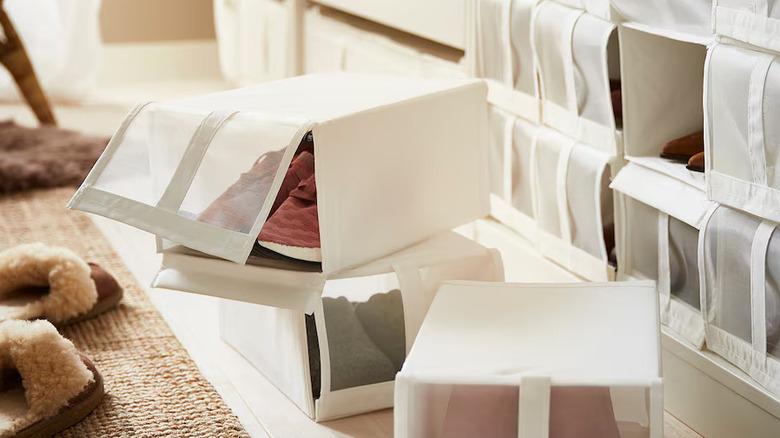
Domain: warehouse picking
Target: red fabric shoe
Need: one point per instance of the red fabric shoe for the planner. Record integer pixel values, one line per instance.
(294, 230)
(301, 168)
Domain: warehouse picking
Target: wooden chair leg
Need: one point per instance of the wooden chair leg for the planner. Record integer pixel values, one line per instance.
(14, 57)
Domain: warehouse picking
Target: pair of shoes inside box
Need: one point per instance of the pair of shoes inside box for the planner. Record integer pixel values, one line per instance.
(366, 341)
(292, 227)
(688, 149)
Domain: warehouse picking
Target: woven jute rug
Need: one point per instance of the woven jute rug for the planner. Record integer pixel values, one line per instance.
(153, 386)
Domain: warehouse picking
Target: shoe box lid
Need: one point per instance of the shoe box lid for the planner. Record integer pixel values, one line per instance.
(575, 334)
(397, 160)
(664, 193)
(279, 286)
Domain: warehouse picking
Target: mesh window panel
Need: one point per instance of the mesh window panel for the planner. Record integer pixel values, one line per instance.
(592, 90)
(642, 238)
(683, 262)
(772, 302)
(491, 48)
(498, 124)
(583, 187)
(522, 186)
(522, 53)
(364, 321)
(727, 249)
(148, 155)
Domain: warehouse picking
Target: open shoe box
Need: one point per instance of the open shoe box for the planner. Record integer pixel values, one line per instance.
(662, 80)
(742, 107)
(342, 360)
(577, 57)
(657, 238)
(397, 160)
(550, 346)
(499, 51)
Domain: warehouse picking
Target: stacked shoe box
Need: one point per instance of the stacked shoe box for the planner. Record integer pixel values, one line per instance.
(553, 74)
(553, 364)
(312, 199)
(335, 41)
(253, 38)
(661, 202)
(711, 244)
(740, 272)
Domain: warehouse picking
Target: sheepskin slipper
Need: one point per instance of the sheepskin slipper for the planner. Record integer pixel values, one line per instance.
(53, 283)
(46, 385)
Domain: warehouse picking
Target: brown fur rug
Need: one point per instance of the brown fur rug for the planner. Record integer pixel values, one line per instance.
(45, 157)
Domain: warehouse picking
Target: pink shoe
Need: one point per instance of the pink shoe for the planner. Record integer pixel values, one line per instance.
(293, 230)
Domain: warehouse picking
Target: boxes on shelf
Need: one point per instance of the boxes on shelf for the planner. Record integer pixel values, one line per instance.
(743, 137)
(662, 81)
(253, 39)
(509, 360)
(342, 360)
(339, 42)
(204, 172)
(578, 64)
(658, 220)
(499, 46)
(755, 22)
(692, 17)
(738, 256)
(573, 204)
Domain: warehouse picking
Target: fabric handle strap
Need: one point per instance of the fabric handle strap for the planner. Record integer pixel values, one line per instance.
(182, 178)
(664, 268)
(756, 119)
(534, 407)
(758, 285)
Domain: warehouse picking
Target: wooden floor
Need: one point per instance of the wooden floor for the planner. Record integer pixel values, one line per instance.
(262, 409)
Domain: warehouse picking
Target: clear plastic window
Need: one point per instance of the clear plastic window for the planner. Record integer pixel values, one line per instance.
(522, 54)
(492, 23)
(547, 155)
(500, 125)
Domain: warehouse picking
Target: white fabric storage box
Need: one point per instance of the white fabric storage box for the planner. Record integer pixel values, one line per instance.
(62, 39)
(756, 22)
(500, 52)
(740, 274)
(657, 239)
(577, 56)
(572, 203)
(692, 17)
(520, 360)
(342, 359)
(397, 160)
(336, 42)
(252, 36)
(662, 81)
(743, 136)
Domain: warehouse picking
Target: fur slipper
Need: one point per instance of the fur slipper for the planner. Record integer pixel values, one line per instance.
(44, 282)
(46, 385)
